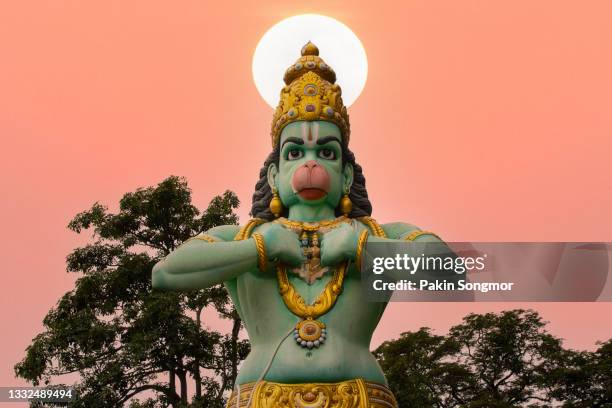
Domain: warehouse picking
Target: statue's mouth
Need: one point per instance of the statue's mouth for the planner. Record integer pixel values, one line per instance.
(312, 193)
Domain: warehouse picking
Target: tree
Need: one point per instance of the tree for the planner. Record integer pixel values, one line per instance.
(420, 370)
(124, 339)
(584, 380)
(512, 356)
(493, 360)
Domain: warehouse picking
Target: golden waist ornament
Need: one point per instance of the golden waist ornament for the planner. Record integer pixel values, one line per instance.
(356, 393)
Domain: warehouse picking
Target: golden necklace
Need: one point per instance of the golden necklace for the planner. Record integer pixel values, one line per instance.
(310, 332)
(312, 226)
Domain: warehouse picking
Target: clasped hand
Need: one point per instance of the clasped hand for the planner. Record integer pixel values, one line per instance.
(283, 245)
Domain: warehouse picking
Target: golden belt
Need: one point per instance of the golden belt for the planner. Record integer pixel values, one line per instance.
(356, 393)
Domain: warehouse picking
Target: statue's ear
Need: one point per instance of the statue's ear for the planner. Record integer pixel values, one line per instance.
(272, 173)
(348, 178)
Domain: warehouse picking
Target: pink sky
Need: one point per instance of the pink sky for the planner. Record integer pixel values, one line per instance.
(481, 120)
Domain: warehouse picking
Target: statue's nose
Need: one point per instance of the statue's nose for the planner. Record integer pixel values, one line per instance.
(311, 164)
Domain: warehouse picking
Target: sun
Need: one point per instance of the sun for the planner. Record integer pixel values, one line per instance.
(280, 47)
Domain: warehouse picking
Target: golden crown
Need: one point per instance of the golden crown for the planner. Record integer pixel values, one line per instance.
(310, 94)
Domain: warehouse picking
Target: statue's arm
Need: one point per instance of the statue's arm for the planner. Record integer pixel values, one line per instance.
(206, 260)
(347, 242)
(431, 245)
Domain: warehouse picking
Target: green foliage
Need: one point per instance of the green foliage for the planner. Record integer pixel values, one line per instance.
(417, 368)
(585, 379)
(503, 360)
(124, 339)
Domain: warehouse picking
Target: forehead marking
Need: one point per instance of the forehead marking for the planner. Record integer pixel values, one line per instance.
(310, 133)
(305, 131)
(313, 134)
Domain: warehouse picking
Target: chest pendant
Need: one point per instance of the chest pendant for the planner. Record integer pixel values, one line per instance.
(310, 332)
(311, 269)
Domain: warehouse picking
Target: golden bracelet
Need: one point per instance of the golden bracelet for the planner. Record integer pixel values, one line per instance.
(262, 259)
(415, 234)
(363, 238)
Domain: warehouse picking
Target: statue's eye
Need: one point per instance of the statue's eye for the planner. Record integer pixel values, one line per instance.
(327, 154)
(294, 154)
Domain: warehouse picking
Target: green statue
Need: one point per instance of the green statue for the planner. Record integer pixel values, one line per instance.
(293, 270)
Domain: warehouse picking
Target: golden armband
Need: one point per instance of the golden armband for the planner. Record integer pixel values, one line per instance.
(363, 238)
(262, 259)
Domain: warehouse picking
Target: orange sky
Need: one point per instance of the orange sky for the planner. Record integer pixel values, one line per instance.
(481, 120)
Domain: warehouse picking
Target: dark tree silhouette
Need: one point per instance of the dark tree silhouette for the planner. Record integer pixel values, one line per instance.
(421, 372)
(584, 379)
(125, 340)
(493, 360)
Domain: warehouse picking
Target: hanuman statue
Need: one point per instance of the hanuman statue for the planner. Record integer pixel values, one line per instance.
(293, 270)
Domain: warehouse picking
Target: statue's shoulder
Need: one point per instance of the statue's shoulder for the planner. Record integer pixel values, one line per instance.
(372, 225)
(224, 232)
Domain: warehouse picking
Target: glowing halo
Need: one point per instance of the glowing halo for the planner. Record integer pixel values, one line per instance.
(280, 46)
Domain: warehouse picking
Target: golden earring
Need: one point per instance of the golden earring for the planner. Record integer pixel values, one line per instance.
(276, 205)
(346, 205)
